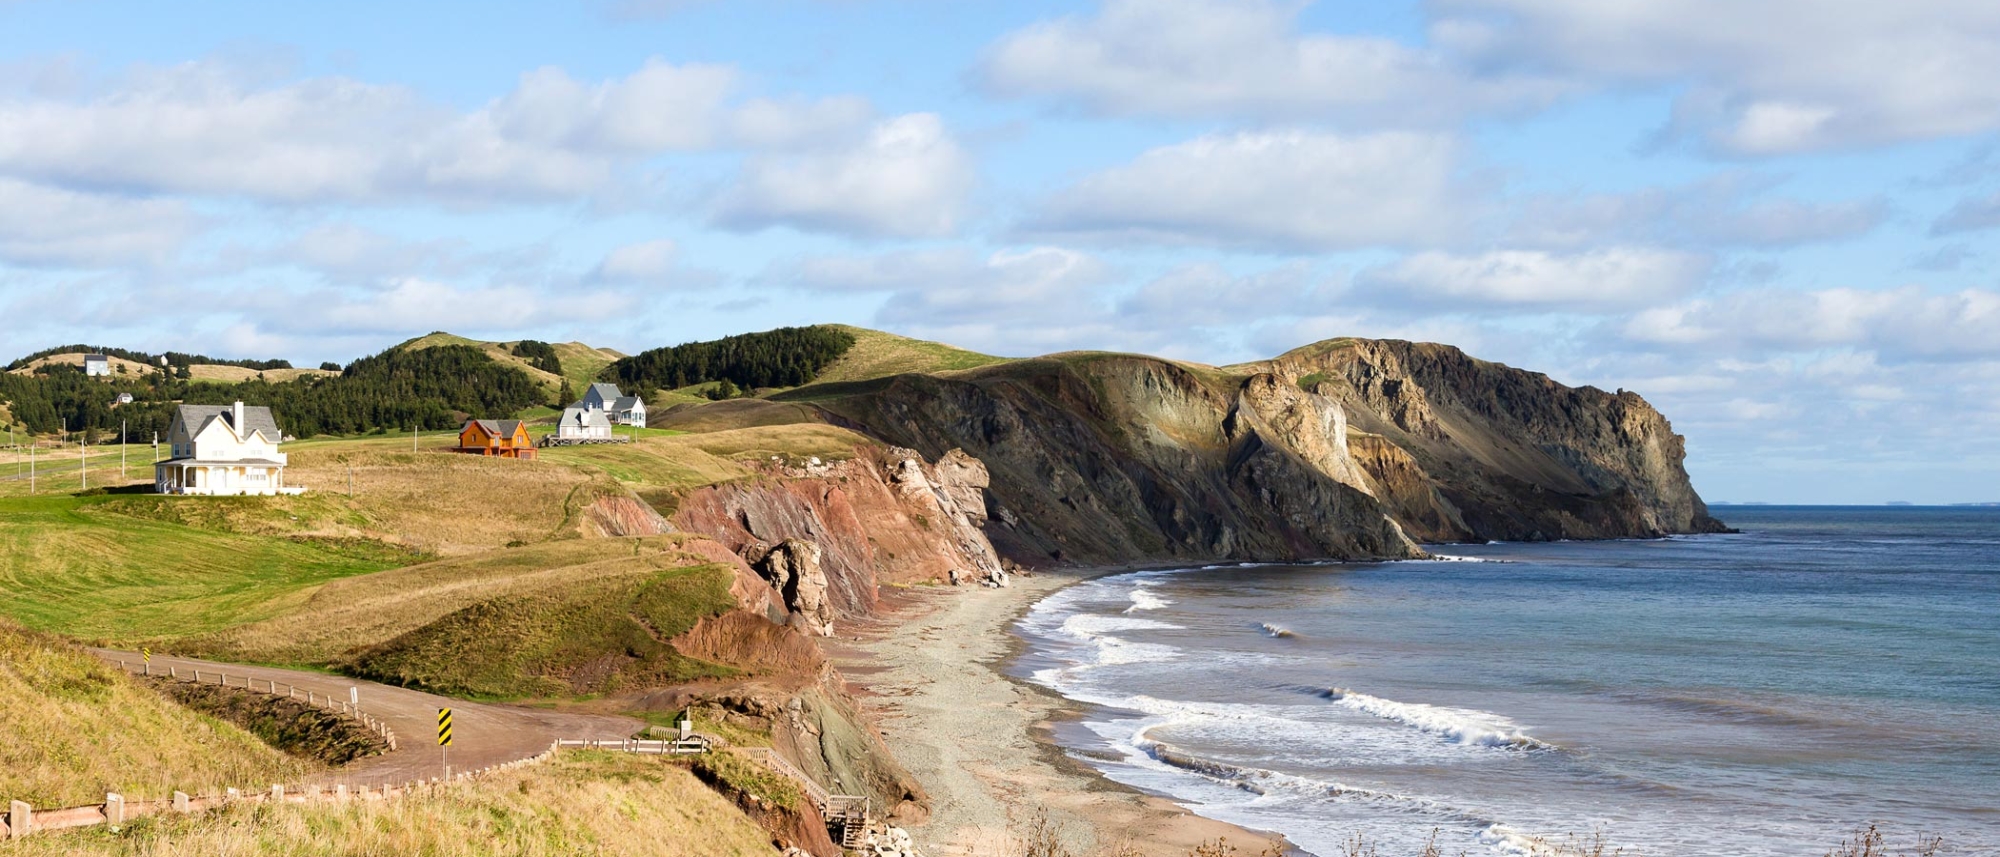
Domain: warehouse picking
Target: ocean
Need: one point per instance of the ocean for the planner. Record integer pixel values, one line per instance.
(1761, 693)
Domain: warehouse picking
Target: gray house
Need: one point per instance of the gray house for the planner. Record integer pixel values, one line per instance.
(619, 408)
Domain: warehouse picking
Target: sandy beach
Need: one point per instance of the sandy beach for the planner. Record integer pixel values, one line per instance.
(979, 741)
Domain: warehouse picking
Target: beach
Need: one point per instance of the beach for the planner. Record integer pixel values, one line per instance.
(931, 672)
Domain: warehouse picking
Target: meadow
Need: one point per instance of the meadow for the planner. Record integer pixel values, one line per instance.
(578, 803)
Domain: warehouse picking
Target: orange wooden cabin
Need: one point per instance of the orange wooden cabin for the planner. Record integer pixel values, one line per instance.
(504, 438)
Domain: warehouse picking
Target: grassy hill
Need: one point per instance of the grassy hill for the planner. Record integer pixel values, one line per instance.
(580, 363)
(554, 619)
(579, 803)
(877, 354)
(77, 727)
(217, 374)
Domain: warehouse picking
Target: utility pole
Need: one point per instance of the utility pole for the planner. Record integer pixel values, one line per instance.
(32, 445)
(413, 438)
(83, 459)
(122, 472)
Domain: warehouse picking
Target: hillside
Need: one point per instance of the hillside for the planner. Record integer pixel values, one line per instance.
(579, 803)
(581, 364)
(877, 354)
(78, 727)
(218, 374)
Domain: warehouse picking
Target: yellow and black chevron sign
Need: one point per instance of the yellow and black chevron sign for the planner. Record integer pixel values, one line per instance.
(444, 727)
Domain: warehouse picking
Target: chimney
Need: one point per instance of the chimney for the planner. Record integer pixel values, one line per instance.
(236, 421)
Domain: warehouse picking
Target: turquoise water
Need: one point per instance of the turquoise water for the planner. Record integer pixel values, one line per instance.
(1753, 694)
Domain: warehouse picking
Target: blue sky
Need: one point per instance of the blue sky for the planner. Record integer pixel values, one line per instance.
(1777, 221)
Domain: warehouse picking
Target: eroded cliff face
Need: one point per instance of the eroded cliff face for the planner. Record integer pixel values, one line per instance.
(1346, 449)
(1461, 448)
(1114, 458)
(826, 536)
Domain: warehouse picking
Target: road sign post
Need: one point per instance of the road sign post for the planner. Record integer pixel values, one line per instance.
(444, 740)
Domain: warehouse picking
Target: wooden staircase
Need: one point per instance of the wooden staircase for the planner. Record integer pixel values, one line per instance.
(847, 816)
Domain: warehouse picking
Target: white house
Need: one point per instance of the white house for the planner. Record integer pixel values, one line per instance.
(96, 364)
(621, 409)
(580, 423)
(223, 450)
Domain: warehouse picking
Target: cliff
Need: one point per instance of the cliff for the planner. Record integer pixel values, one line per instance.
(1343, 449)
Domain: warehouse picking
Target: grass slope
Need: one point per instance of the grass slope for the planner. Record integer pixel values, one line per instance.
(70, 567)
(77, 727)
(579, 803)
(877, 354)
(218, 374)
(580, 363)
(349, 617)
(569, 639)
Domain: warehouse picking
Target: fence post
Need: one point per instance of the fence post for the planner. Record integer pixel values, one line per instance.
(114, 809)
(19, 817)
(180, 802)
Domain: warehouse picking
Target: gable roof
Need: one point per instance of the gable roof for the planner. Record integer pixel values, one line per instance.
(584, 417)
(604, 391)
(626, 403)
(255, 418)
(497, 428)
(96, 357)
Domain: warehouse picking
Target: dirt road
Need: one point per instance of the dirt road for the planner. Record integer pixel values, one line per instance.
(482, 734)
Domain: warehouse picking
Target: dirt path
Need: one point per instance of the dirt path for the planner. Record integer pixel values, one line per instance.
(482, 734)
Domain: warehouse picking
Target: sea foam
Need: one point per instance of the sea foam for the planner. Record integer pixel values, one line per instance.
(1457, 725)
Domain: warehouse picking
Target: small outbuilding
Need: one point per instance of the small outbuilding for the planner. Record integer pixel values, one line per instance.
(502, 438)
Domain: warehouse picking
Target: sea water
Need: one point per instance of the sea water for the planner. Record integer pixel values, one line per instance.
(1761, 693)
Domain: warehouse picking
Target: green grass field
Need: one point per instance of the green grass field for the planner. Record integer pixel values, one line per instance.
(69, 567)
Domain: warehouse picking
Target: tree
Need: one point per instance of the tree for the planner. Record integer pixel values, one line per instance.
(565, 397)
(329, 366)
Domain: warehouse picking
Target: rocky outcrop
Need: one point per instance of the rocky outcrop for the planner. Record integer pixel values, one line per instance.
(885, 516)
(1114, 458)
(621, 514)
(792, 567)
(1346, 449)
(1493, 452)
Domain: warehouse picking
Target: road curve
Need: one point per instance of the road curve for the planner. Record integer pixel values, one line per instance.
(482, 734)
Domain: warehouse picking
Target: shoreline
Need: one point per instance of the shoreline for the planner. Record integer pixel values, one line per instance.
(931, 670)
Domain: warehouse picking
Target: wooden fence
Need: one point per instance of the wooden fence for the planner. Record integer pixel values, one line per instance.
(317, 700)
(23, 819)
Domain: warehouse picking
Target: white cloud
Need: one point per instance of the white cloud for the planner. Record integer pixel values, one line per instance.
(348, 250)
(1721, 211)
(1591, 281)
(204, 128)
(1908, 323)
(646, 261)
(1293, 191)
(932, 287)
(907, 178)
(42, 225)
(1241, 59)
(1204, 294)
(400, 305)
(1970, 214)
(1760, 78)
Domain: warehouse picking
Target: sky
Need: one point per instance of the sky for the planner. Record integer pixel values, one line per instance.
(1777, 221)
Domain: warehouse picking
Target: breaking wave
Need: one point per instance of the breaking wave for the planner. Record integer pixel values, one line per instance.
(1279, 632)
(1458, 725)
